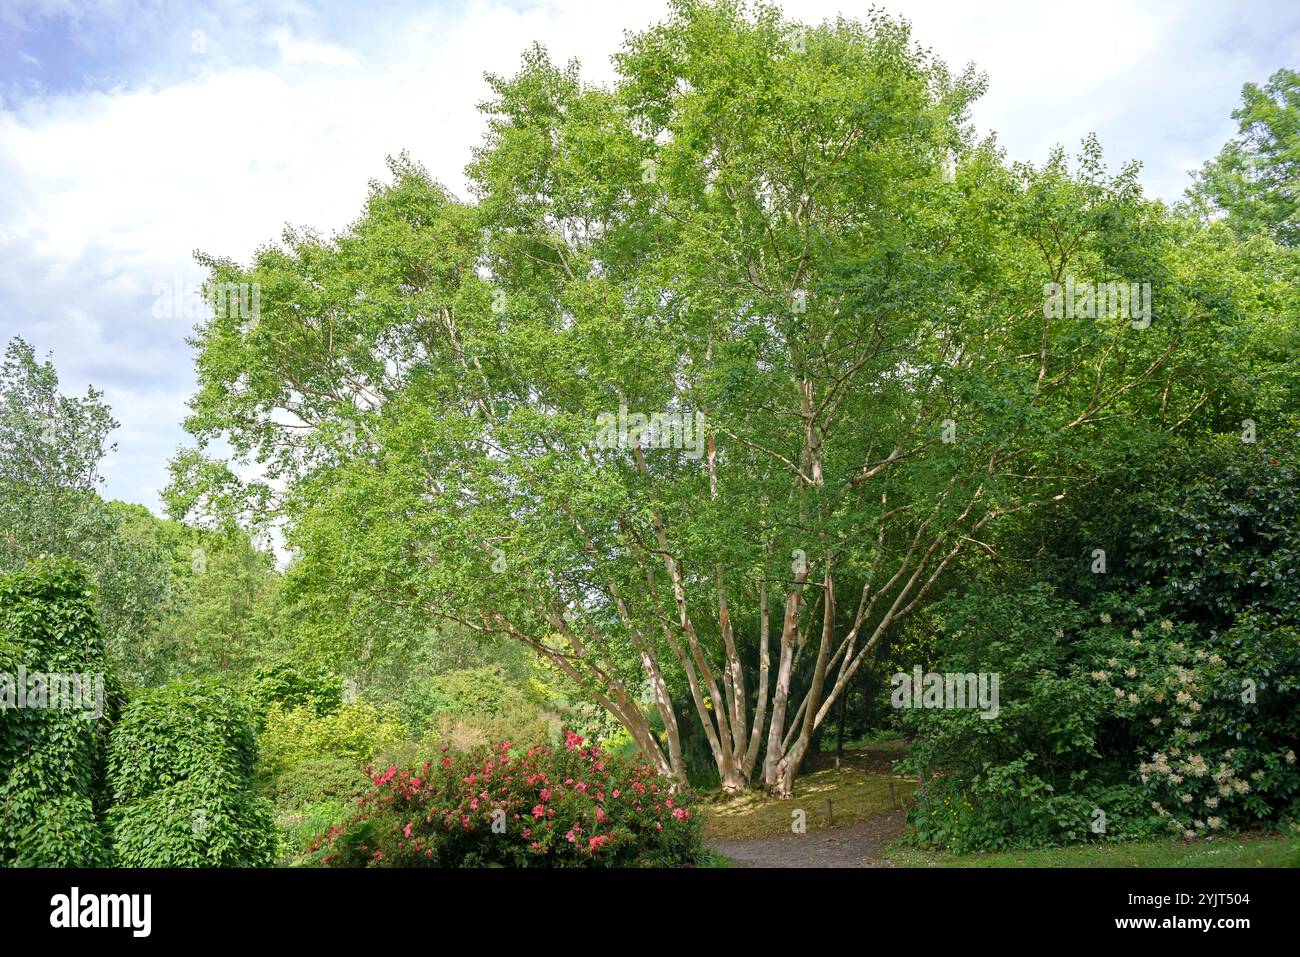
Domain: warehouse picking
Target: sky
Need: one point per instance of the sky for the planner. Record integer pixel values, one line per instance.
(133, 133)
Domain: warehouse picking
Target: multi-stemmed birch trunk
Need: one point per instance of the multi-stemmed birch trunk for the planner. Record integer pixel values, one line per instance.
(723, 370)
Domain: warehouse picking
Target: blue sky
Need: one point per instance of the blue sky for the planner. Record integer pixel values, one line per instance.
(133, 133)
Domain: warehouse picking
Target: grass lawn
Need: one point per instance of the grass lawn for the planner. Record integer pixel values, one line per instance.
(1247, 850)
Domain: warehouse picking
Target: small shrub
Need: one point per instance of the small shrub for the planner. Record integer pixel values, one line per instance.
(356, 732)
(320, 779)
(517, 722)
(474, 695)
(569, 807)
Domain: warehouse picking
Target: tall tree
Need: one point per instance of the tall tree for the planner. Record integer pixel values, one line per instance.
(727, 365)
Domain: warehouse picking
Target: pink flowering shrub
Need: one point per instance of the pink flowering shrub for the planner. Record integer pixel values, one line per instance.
(572, 806)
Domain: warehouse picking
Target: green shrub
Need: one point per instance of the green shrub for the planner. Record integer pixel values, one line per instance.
(181, 762)
(52, 793)
(195, 823)
(184, 729)
(356, 732)
(63, 831)
(519, 721)
(1119, 711)
(469, 693)
(1162, 697)
(318, 780)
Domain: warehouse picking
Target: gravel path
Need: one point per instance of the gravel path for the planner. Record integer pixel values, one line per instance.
(859, 845)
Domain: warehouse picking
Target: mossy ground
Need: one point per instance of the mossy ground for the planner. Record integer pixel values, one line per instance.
(857, 790)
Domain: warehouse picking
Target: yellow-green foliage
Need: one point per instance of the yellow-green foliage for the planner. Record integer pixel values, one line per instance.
(855, 797)
(519, 722)
(356, 732)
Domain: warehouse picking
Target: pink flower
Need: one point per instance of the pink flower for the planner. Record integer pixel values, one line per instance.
(545, 794)
(681, 813)
(571, 740)
(597, 842)
(616, 792)
(538, 810)
(406, 831)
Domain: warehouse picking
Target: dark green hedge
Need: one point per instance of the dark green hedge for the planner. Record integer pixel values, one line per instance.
(52, 793)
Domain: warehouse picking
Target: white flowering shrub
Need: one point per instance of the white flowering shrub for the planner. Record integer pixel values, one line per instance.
(1164, 694)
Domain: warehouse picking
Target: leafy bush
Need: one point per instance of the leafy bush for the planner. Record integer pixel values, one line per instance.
(469, 708)
(474, 695)
(1161, 697)
(570, 807)
(64, 831)
(1020, 779)
(180, 763)
(517, 722)
(320, 779)
(356, 732)
(51, 758)
(195, 823)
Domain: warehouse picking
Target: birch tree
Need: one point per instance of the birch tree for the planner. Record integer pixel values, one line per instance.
(722, 368)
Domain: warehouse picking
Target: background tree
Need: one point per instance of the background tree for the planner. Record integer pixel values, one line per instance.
(51, 446)
(1255, 179)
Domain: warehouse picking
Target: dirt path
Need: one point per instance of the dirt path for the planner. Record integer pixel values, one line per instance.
(859, 845)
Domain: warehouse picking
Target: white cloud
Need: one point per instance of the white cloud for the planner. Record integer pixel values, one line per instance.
(295, 50)
(105, 193)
